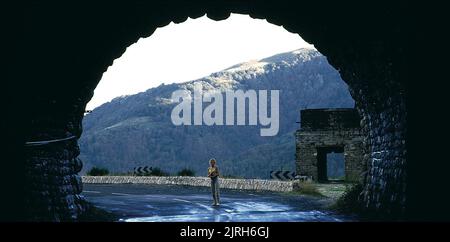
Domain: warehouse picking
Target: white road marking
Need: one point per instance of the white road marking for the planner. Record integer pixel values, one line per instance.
(91, 191)
(182, 200)
(120, 194)
(199, 204)
(216, 218)
(207, 207)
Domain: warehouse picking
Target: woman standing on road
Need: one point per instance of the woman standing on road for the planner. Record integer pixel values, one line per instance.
(213, 173)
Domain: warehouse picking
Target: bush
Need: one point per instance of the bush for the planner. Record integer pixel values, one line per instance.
(157, 172)
(95, 171)
(126, 173)
(186, 172)
(349, 201)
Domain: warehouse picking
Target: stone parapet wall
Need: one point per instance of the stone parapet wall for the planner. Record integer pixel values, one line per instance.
(240, 184)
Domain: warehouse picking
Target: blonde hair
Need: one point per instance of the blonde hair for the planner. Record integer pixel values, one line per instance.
(212, 160)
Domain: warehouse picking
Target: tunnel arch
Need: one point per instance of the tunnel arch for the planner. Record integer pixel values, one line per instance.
(367, 53)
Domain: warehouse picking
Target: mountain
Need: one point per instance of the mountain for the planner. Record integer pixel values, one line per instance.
(136, 130)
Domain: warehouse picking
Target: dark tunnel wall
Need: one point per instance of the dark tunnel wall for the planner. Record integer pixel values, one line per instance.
(68, 48)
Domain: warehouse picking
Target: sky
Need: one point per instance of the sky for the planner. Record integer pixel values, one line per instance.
(191, 50)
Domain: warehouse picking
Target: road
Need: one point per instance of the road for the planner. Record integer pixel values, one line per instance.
(166, 203)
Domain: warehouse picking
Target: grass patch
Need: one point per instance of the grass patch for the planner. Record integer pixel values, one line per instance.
(306, 188)
(332, 190)
(350, 203)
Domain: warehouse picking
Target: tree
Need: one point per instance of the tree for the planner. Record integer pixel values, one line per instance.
(95, 171)
(186, 172)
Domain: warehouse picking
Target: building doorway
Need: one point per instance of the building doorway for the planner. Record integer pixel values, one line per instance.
(330, 164)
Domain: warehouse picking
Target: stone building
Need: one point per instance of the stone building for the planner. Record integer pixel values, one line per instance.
(324, 131)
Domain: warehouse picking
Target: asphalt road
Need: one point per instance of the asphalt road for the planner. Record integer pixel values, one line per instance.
(161, 203)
